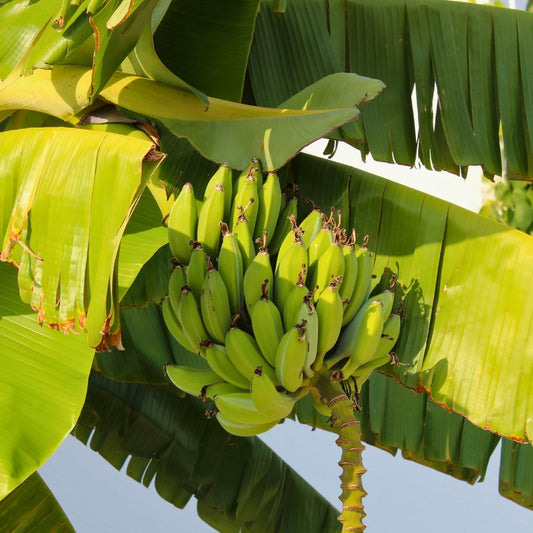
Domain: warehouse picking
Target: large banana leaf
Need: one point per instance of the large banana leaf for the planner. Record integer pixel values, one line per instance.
(239, 482)
(43, 380)
(475, 60)
(68, 195)
(458, 274)
(224, 132)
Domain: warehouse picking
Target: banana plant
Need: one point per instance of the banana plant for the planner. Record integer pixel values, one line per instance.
(109, 108)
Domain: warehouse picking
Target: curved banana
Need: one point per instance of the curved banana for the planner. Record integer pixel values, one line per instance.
(178, 279)
(190, 318)
(319, 403)
(267, 325)
(244, 353)
(224, 177)
(288, 269)
(197, 270)
(369, 328)
(350, 269)
(269, 197)
(182, 223)
(214, 304)
(210, 392)
(308, 313)
(259, 272)
(311, 225)
(389, 336)
(174, 327)
(231, 269)
(239, 408)
(246, 198)
(268, 400)
(244, 430)
(191, 379)
(362, 284)
(293, 303)
(211, 214)
(329, 310)
(290, 358)
(319, 244)
(243, 236)
(329, 266)
(283, 227)
(218, 360)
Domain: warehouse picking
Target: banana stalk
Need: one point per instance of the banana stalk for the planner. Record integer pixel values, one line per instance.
(343, 420)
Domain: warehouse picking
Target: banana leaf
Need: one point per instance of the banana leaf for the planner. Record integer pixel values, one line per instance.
(32, 507)
(474, 60)
(170, 442)
(445, 259)
(67, 199)
(43, 381)
(224, 132)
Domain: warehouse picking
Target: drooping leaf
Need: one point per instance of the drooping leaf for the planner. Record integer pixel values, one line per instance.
(31, 507)
(69, 195)
(43, 380)
(475, 60)
(237, 481)
(516, 476)
(225, 132)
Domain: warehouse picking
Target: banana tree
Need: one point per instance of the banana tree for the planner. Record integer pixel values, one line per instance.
(108, 109)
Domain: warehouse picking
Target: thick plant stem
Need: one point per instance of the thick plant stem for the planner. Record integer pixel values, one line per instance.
(344, 421)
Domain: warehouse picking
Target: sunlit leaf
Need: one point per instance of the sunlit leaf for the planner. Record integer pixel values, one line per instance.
(43, 380)
(69, 196)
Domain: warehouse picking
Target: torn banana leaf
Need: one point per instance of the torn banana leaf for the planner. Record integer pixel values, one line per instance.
(68, 196)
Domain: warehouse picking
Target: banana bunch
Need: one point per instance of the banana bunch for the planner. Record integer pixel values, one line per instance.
(268, 302)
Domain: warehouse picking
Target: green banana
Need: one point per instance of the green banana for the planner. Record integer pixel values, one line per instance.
(259, 272)
(218, 360)
(191, 379)
(329, 310)
(214, 304)
(350, 269)
(243, 236)
(290, 237)
(244, 353)
(290, 357)
(190, 318)
(311, 225)
(244, 430)
(389, 336)
(330, 265)
(182, 223)
(269, 197)
(293, 303)
(224, 177)
(178, 279)
(362, 284)
(239, 408)
(369, 327)
(266, 325)
(210, 392)
(319, 402)
(348, 336)
(268, 400)
(174, 327)
(197, 270)
(288, 269)
(283, 227)
(324, 237)
(211, 214)
(308, 313)
(231, 269)
(246, 198)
